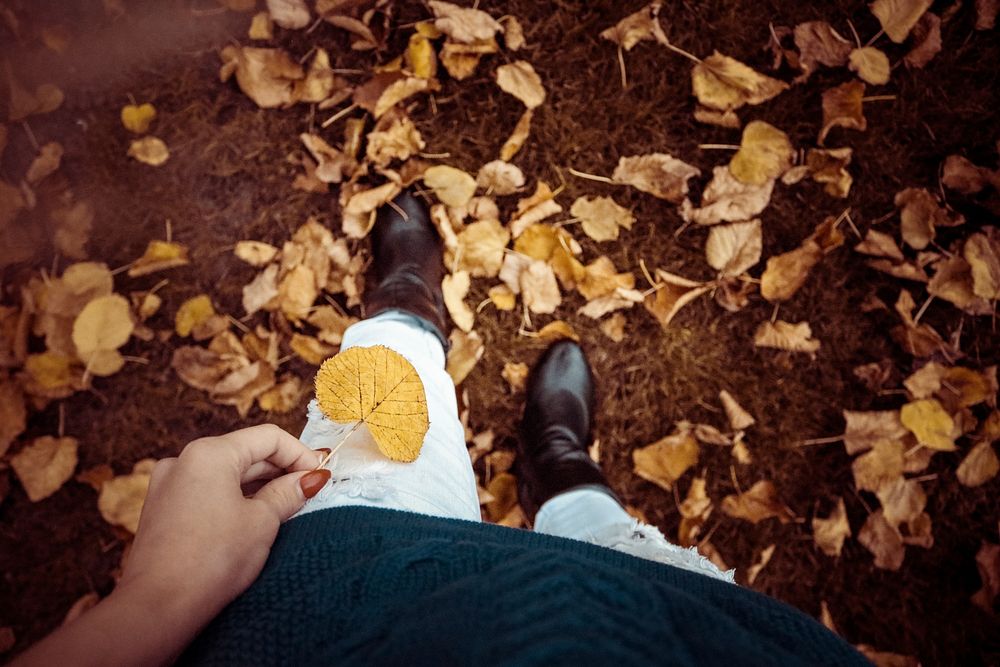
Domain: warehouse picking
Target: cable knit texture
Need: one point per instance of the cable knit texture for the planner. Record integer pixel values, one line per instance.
(366, 586)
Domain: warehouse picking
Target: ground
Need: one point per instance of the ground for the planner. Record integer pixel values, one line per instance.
(228, 179)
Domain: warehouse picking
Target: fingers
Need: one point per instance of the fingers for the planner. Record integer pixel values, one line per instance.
(285, 495)
(261, 470)
(243, 448)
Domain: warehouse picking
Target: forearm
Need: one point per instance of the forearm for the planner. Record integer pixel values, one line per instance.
(135, 625)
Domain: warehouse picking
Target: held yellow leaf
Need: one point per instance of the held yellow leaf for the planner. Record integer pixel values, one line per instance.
(138, 117)
(928, 420)
(379, 387)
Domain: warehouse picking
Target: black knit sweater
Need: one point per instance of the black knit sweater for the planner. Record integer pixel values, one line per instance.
(365, 586)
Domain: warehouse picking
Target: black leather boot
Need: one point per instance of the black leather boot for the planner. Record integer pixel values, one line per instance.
(408, 264)
(556, 429)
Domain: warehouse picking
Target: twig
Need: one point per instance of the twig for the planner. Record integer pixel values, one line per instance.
(592, 177)
(646, 273)
(923, 309)
(134, 360)
(239, 325)
(683, 228)
(31, 135)
(821, 441)
(854, 227)
(736, 482)
(337, 116)
(878, 98)
(434, 156)
(621, 67)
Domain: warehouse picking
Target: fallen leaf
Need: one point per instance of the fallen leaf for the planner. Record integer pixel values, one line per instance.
(503, 489)
(879, 244)
(261, 26)
(982, 252)
(159, 256)
(481, 248)
(886, 658)
(557, 330)
(358, 212)
(734, 248)
(13, 413)
(513, 33)
(672, 293)
(830, 533)
(310, 349)
(882, 464)
(757, 504)
(103, 326)
(461, 60)
(988, 564)
(739, 419)
(694, 511)
(871, 65)
(659, 174)
(786, 273)
(466, 351)
(96, 476)
(819, 44)
(73, 226)
(23, 103)
(903, 500)
(44, 465)
(463, 24)
(121, 498)
(379, 387)
(262, 291)
(149, 150)
(897, 17)
(614, 327)
(451, 186)
(400, 90)
(724, 83)
(961, 175)
(267, 76)
(926, 41)
(517, 137)
(539, 289)
(765, 153)
(193, 312)
(884, 541)
(520, 80)
(138, 117)
(516, 375)
(502, 297)
(727, 199)
(762, 560)
(297, 291)
(666, 460)
(920, 215)
(420, 57)
(979, 466)
(786, 336)
(500, 178)
(601, 217)
(636, 27)
(927, 420)
(601, 279)
(533, 209)
(289, 14)
(952, 282)
(842, 107)
(45, 163)
(455, 287)
(986, 14)
(829, 167)
(255, 253)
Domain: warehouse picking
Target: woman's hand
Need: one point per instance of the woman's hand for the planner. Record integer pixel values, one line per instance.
(201, 542)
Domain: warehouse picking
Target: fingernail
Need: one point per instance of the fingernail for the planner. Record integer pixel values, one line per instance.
(313, 481)
(324, 449)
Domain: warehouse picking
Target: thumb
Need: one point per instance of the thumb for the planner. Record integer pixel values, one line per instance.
(287, 494)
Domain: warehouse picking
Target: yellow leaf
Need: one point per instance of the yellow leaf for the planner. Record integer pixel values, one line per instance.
(503, 490)
(982, 252)
(137, 118)
(614, 327)
(871, 65)
(664, 461)
(739, 418)
(283, 397)
(44, 465)
(52, 371)
(724, 83)
(420, 57)
(898, 16)
(928, 420)
(520, 80)
(516, 375)
(104, 324)
(502, 297)
(557, 330)
(452, 186)
(765, 153)
(149, 150)
(255, 253)
(481, 248)
(830, 533)
(121, 498)
(261, 26)
(196, 310)
(379, 387)
(517, 138)
(159, 256)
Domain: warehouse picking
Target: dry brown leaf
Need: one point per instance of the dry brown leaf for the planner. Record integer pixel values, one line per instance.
(829, 167)
(986, 14)
(533, 209)
(659, 174)
(614, 327)
(520, 80)
(926, 41)
(261, 27)
(500, 178)
(13, 413)
(830, 533)
(601, 279)
(331, 164)
(920, 215)
(739, 419)
(988, 564)
(881, 465)
(786, 273)
(44, 465)
(513, 33)
(871, 65)
(879, 244)
(159, 256)
(400, 90)
(897, 17)
(267, 76)
(451, 186)
(516, 375)
(762, 560)
(73, 226)
(734, 248)
(262, 291)
(886, 658)
(149, 150)
(358, 212)
(884, 541)
(310, 349)
(466, 351)
(463, 24)
(694, 511)
(255, 253)
(601, 217)
(461, 60)
(283, 397)
(121, 498)
(764, 155)
(539, 289)
(819, 44)
(903, 500)
(23, 103)
(786, 336)
(930, 423)
(982, 252)
(666, 460)
(727, 199)
(760, 502)
(455, 287)
(843, 107)
(517, 137)
(961, 175)
(557, 330)
(673, 293)
(636, 27)
(45, 163)
(480, 249)
(289, 14)
(395, 137)
(297, 290)
(724, 83)
(713, 117)
(952, 282)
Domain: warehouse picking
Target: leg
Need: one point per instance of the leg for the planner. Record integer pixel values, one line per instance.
(561, 482)
(406, 314)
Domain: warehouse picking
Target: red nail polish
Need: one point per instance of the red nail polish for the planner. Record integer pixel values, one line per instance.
(324, 449)
(313, 481)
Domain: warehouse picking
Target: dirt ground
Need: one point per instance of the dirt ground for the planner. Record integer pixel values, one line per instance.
(228, 179)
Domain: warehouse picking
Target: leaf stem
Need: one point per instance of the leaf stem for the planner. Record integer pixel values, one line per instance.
(592, 177)
(340, 444)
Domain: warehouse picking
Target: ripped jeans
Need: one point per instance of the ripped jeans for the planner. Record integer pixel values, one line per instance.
(441, 481)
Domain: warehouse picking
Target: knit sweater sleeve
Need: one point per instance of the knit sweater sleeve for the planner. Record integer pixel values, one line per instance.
(372, 586)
